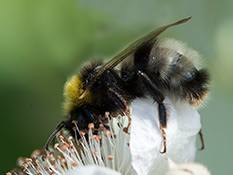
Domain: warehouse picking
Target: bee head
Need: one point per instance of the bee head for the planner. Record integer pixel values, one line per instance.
(77, 90)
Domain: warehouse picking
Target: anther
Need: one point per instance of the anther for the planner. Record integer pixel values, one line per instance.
(25, 165)
(74, 122)
(38, 167)
(72, 150)
(107, 133)
(34, 157)
(82, 134)
(36, 160)
(49, 156)
(91, 126)
(101, 127)
(80, 141)
(63, 160)
(63, 148)
(69, 138)
(110, 157)
(60, 137)
(28, 160)
(47, 168)
(74, 164)
(126, 130)
(52, 161)
(58, 158)
(107, 114)
(65, 143)
(20, 161)
(25, 171)
(36, 153)
(56, 145)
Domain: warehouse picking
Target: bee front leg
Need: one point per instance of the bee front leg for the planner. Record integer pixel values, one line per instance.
(118, 99)
(121, 104)
(159, 98)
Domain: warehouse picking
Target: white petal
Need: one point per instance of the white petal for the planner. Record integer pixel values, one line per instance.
(186, 169)
(146, 139)
(93, 170)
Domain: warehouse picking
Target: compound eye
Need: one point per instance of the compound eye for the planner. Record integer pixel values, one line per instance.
(91, 79)
(87, 80)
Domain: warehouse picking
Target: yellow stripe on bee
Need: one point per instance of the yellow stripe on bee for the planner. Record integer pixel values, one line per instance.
(75, 96)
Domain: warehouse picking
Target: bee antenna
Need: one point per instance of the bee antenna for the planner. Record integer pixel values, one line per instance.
(51, 137)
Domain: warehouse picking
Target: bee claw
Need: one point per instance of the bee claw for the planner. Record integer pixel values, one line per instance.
(164, 142)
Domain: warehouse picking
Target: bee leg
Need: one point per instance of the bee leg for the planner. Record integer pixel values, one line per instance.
(159, 98)
(121, 104)
(116, 97)
(163, 124)
(202, 140)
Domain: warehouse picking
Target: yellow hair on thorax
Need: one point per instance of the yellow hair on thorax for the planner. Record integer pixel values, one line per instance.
(75, 95)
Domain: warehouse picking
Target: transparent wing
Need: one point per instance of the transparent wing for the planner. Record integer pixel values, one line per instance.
(134, 46)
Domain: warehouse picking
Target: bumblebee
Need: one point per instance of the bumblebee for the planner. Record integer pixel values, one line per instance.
(148, 67)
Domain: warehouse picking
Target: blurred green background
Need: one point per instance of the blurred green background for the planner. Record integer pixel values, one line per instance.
(43, 42)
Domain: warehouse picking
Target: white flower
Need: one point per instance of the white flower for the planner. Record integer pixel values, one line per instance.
(188, 168)
(145, 141)
(93, 170)
(115, 152)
